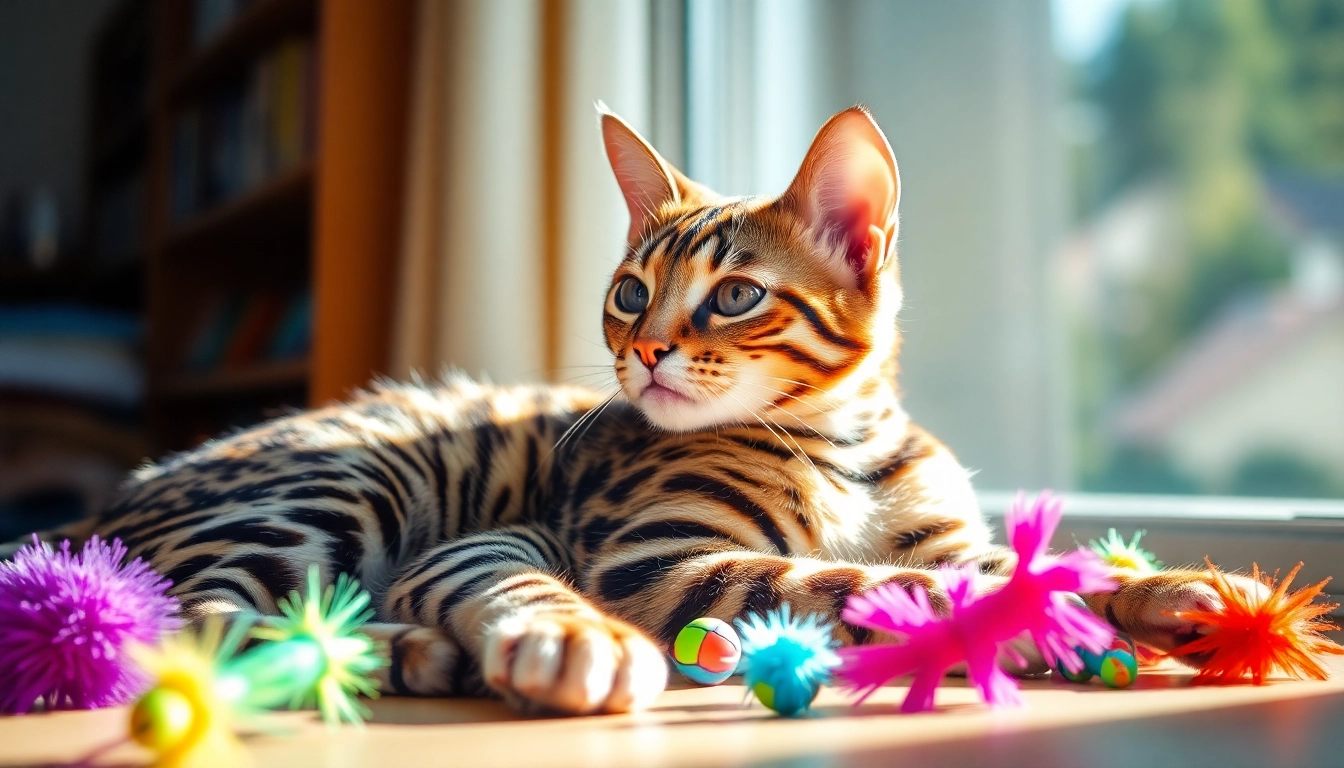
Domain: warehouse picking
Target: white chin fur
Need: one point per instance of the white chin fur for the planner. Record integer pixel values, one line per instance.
(689, 416)
(682, 414)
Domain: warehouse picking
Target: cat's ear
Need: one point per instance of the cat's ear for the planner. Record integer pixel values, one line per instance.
(847, 191)
(647, 181)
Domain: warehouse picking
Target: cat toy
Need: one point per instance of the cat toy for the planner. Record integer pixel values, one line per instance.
(787, 659)
(189, 717)
(706, 651)
(978, 627)
(1116, 667)
(67, 621)
(312, 652)
(1255, 634)
(1115, 551)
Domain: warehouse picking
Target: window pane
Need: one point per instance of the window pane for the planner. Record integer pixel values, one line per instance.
(1122, 220)
(1204, 263)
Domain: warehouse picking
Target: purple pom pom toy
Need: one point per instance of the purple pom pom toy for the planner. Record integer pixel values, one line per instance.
(66, 621)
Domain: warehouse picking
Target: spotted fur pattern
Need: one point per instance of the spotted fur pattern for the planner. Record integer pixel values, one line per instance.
(542, 542)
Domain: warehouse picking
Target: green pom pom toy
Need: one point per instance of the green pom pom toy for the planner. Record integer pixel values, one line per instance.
(312, 652)
(316, 653)
(1115, 551)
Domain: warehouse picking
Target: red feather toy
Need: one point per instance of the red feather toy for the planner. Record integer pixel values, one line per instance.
(1254, 635)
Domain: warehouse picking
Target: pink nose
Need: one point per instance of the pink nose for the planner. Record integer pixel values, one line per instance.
(651, 351)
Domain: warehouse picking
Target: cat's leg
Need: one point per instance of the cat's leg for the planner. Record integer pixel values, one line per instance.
(536, 641)
(1146, 606)
(423, 661)
(666, 583)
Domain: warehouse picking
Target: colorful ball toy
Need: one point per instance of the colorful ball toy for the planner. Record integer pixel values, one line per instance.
(787, 659)
(706, 651)
(1117, 666)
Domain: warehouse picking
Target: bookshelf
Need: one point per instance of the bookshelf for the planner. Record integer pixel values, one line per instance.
(240, 238)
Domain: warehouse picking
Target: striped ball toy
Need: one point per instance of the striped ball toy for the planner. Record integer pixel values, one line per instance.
(706, 651)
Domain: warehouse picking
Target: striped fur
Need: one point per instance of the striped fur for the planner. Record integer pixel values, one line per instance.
(542, 543)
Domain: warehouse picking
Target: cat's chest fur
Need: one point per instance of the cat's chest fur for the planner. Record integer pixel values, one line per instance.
(850, 517)
(808, 501)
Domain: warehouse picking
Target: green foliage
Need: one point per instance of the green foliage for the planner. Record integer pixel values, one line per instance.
(1282, 473)
(1207, 89)
(1140, 470)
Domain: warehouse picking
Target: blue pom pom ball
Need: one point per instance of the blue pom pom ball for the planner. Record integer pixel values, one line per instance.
(787, 660)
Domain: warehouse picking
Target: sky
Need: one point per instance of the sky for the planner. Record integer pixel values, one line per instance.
(1082, 27)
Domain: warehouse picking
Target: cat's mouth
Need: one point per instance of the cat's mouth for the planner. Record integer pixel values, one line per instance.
(658, 392)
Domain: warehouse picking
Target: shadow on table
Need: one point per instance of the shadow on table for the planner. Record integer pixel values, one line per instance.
(1302, 731)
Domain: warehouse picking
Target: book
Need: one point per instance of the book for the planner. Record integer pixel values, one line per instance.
(292, 333)
(217, 327)
(255, 327)
(247, 131)
(210, 17)
(186, 163)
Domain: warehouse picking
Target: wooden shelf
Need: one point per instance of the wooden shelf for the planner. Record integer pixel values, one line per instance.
(284, 195)
(262, 22)
(323, 229)
(263, 377)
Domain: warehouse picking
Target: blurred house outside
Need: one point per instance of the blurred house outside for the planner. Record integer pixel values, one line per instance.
(1254, 403)
(1203, 278)
(1257, 390)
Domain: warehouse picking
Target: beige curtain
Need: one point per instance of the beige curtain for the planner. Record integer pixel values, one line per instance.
(512, 221)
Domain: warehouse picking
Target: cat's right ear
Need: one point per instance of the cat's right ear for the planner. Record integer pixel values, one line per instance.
(647, 181)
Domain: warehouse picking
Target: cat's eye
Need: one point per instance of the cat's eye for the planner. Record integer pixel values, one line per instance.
(735, 297)
(632, 296)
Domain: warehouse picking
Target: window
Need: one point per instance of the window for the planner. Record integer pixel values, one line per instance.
(1122, 222)
(1121, 236)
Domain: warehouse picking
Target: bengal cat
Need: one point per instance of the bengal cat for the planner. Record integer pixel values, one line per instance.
(542, 543)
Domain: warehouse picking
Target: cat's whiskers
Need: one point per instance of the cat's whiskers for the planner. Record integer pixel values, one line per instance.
(814, 433)
(841, 410)
(603, 378)
(587, 418)
(800, 454)
(781, 393)
(825, 396)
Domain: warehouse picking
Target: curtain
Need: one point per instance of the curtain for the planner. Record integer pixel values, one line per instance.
(512, 221)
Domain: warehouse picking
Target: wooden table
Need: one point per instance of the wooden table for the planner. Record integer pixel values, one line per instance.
(1162, 721)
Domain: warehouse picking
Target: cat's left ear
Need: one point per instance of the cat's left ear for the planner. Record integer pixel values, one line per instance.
(647, 181)
(847, 191)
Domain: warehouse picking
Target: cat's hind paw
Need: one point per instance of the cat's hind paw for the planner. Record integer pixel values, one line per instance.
(573, 664)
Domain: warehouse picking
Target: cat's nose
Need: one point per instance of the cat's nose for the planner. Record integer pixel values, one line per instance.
(651, 351)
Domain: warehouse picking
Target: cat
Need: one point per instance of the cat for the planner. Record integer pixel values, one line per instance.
(544, 543)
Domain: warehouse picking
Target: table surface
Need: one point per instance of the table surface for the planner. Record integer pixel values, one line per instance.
(1161, 721)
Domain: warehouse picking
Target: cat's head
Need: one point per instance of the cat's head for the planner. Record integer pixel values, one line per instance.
(728, 309)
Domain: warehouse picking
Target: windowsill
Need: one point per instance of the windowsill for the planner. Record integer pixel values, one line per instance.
(1118, 507)
(1232, 531)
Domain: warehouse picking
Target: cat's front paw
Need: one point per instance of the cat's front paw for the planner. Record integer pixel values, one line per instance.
(1161, 610)
(573, 664)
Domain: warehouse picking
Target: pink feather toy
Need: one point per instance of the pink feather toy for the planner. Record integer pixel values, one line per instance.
(1036, 600)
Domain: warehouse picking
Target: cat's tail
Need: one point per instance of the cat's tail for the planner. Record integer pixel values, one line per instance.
(77, 532)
